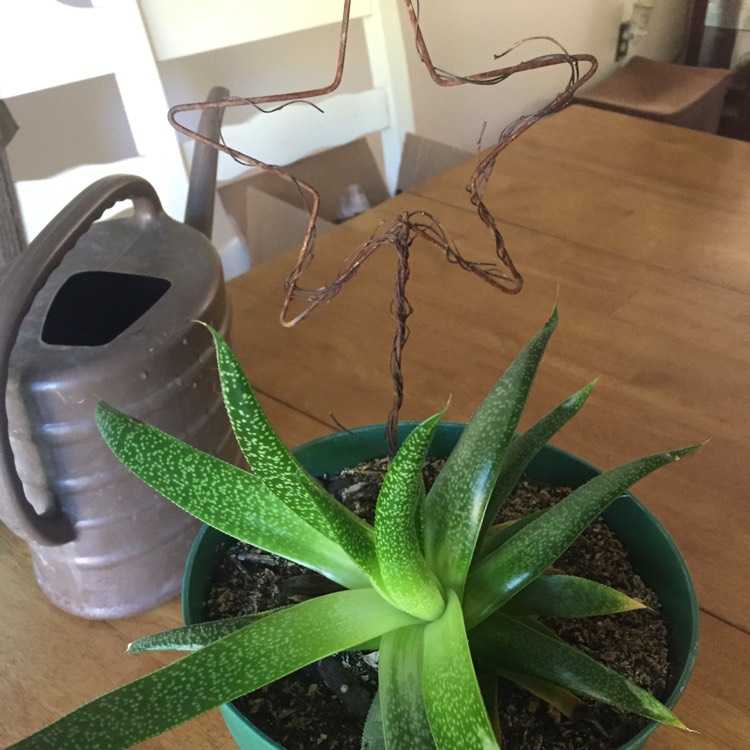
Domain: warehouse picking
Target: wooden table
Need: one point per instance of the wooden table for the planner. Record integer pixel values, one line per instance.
(641, 232)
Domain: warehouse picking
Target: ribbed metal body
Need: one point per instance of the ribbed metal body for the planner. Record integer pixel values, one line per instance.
(159, 277)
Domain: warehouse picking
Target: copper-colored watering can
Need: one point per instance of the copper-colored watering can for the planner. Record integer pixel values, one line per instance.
(106, 311)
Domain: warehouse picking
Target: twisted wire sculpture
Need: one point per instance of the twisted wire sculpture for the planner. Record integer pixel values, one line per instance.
(501, 274)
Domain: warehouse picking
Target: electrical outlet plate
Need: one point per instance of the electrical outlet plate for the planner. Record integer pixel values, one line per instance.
(623, 40)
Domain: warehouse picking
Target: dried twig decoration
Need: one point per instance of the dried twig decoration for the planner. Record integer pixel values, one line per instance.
(401, 234)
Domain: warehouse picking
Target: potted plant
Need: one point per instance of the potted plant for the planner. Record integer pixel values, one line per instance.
(649, 547)
(442, 593)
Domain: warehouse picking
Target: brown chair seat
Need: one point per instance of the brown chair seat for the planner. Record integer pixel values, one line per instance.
(677, 94)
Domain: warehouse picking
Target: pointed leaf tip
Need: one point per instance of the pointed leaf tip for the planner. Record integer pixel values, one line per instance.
(554, 317)
(408, 582)
(459, 497)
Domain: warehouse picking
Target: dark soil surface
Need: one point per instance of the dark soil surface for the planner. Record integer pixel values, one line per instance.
(325, 704)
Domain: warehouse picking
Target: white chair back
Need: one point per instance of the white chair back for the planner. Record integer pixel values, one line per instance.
(139, 44)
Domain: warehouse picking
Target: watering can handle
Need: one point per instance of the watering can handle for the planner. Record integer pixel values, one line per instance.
(23, 280)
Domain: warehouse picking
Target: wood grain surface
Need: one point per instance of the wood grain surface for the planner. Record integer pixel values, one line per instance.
(641, 233)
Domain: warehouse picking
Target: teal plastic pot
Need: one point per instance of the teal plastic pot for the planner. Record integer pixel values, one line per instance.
(652, 552)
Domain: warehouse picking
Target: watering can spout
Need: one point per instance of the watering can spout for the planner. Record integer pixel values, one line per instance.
(199, 208)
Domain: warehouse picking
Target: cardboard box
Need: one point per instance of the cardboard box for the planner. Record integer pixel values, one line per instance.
(269, 213)
(423, 158)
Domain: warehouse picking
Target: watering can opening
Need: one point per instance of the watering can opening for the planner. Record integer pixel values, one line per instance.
(93, 308)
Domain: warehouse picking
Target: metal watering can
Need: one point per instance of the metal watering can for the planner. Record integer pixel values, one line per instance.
(106, 311)
(108, 317)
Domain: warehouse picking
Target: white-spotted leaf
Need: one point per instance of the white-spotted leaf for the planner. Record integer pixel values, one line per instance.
(408, 582)
(400, 689)
(525, 556)
(523, 449)
(222, 495)
(455, 506)
(241, 662)
(513, 646)
(275, 464)
(453, 701)
(193, 637)
(569, 596)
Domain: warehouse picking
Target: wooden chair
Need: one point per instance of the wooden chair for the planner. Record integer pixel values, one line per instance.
(45, 45)
(133, 42)
(12, 238)
(382, 110)
(676, 94)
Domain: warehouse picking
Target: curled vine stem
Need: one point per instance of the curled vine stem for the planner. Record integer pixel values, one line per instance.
(502, 273)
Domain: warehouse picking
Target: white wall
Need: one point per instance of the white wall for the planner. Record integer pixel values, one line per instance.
(463, 37)
(667, 31)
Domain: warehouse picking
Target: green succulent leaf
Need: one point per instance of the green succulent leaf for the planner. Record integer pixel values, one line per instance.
(419, 522)
(498, 534)
(409, 583)
(512, 645)
(536, 624)
(272, 461)
(373, 737)
(569, 596)
(524, 557)
(523, 449)
(192, 637)
(489, 688)
(452, 698)
(241, 662)
(456, 504)
(400, 680)
(222, 495)
(560, 698)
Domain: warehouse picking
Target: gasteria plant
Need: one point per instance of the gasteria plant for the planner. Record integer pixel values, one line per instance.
(446, 596)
